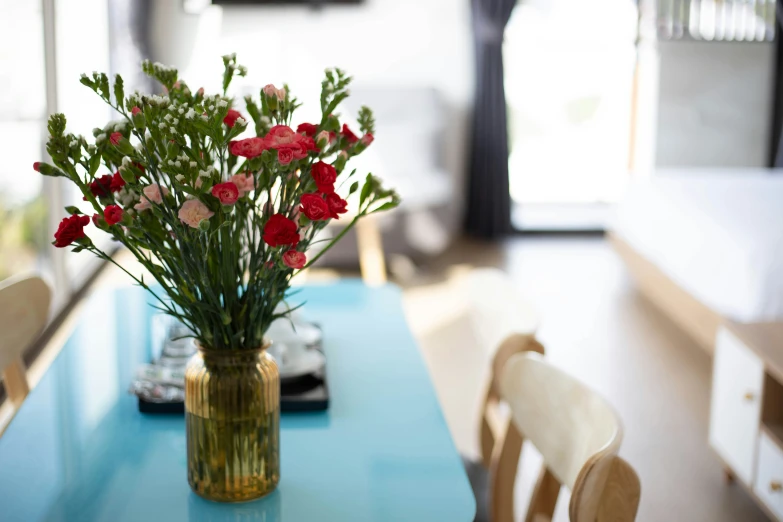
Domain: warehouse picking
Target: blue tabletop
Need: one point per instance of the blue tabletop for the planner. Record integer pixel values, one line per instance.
(79, 450)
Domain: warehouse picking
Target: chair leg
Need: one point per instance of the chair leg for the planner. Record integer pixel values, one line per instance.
(15, 381)
(371, 259)
(544, 497)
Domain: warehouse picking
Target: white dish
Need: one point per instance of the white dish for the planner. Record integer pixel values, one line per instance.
(296, 363)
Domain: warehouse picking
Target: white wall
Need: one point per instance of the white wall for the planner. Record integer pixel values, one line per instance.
(715, 104)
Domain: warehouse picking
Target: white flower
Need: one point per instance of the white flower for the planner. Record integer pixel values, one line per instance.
(240, 121)
(100, 137)
(83, 76)
(222, 103)
(167, 117)
(126, 161)
(170, 162)
(191, 114)
(180, 178)
(212, 107)
(73, 144)
(177, 164)
(161, 125)
(204, 117)
(181, 110)
(193, 164)
(175, 121)
(173, 130)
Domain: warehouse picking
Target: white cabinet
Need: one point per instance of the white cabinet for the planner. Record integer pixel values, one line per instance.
(769, 479)
(738, 375)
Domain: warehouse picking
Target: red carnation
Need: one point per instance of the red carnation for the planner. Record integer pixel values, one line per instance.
(285, 156)
(37, 166)
(116, 182)
(115, 138)
(247, 148)
(324, 175)
(314, 207)
(308, 143)
(294, 259)
(101, 187)
(337, 205)
(349, 136)
(231, 117)
(135, 111)
(227, 193)
(367, 139)
(308, 129)
(112, 214)
(280, 230)
(70, 229)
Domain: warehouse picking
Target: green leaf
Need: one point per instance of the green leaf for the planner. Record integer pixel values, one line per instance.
(103, 86)
(95, 162)
(119, 92)
(386, 206)
(354, 187)
(366, 189)
(72, 210)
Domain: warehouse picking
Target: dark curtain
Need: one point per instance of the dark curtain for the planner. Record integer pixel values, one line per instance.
(776, 143)
(488, 200)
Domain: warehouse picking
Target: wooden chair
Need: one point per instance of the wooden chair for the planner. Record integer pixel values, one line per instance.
(25, 309)
(492, 430)
(576, 431)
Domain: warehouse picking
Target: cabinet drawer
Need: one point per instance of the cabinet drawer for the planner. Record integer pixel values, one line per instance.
(769, 478)
(737, 380)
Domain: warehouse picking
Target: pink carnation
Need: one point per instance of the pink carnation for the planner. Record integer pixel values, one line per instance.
(193, 212)
(270, 90)
(152, 194)
(294, 259)
(244, 182)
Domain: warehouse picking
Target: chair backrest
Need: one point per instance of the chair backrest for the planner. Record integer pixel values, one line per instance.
(25, 310)
(578, 434)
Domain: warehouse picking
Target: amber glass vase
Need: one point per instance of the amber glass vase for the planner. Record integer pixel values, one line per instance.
(232, 414)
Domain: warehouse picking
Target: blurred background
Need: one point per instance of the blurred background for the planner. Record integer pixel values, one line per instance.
(514, 132)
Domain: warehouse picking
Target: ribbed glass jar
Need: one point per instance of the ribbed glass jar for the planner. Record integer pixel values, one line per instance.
(232, 415)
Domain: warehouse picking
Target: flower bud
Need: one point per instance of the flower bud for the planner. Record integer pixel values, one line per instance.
(138, 120)
(339, 163)
(322, 139)
(203, 225)
(46, 169)
(172, 150)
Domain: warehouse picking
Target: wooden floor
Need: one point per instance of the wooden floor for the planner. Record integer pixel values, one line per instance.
(596, 326)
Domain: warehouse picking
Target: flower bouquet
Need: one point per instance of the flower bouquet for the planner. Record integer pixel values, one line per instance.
(221, 210)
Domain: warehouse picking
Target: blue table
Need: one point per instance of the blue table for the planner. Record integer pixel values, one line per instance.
(79, 450)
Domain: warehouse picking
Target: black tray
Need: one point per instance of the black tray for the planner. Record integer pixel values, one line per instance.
(306, 393)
